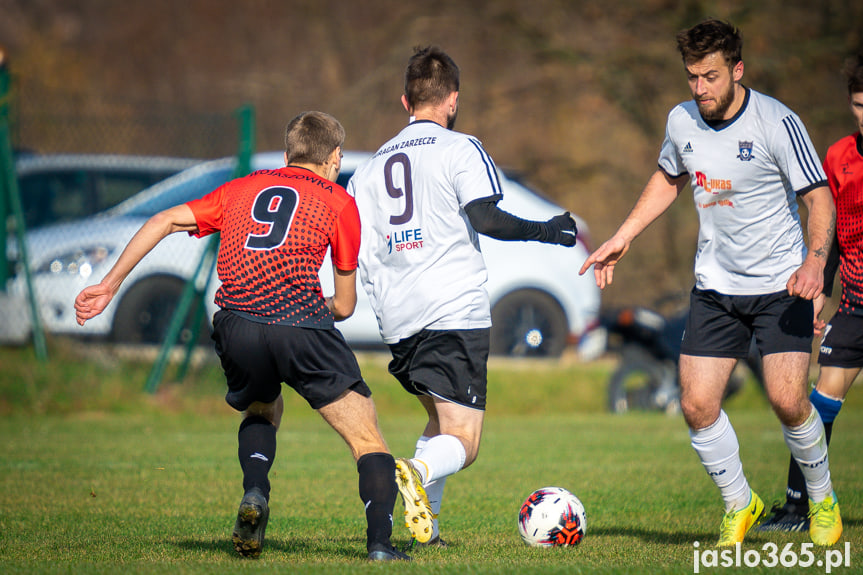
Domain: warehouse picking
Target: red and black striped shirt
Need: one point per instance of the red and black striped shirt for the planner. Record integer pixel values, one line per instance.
(844, 168)
(276, 227)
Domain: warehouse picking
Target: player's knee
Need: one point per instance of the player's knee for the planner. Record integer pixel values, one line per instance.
(698, 412)
(271, 411)
(792, 414)
(790, 408)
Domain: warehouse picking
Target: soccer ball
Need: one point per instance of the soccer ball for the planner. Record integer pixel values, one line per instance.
(552, 517)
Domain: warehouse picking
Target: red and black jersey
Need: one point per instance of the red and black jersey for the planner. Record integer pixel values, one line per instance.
(276, 226)
(844, 168)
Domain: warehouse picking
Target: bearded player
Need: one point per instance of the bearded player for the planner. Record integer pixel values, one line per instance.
(747, 158)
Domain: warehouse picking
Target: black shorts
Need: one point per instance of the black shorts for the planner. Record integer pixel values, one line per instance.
(257, 358)
(723, 325)
(842, 344)
(450, 364)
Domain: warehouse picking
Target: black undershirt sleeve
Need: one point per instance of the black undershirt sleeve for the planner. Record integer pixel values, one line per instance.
(489, 220)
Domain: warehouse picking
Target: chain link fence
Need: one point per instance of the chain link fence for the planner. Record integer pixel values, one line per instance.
(46, 120)
(88, 174)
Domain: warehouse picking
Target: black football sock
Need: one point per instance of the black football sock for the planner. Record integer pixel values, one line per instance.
(257, 450)
(795, 493)
(378, 491)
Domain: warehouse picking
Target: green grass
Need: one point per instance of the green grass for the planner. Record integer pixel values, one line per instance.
(98, 477)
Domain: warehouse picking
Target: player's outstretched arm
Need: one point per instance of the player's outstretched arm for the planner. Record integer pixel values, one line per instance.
(808, 280)
(94, 299)
(659, 193)
(488, 219)
(605, 258)
(561, 230)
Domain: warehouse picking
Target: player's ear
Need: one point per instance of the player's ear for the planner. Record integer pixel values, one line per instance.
(737, 71)
(333, 164)
(286, 157)
(405, 104)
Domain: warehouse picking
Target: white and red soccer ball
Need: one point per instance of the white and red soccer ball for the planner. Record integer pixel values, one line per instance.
(552, 517)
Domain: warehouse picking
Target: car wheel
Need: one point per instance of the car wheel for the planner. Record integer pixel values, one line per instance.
(144, 315)
(528, 323)
(643, 383)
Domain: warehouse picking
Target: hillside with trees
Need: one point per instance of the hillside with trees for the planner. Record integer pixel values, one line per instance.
(571, 94)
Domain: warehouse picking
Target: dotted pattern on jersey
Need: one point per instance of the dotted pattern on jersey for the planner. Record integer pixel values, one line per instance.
(280, 285)
(846, 164)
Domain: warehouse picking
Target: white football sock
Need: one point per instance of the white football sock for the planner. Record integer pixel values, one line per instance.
(719, 451)
(421, 443)
(441, 456)
(434, 490)
(808, 445)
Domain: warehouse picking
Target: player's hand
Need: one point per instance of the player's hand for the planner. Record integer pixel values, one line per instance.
(807, 281)
(818, 324)
(92, 301)
(561, 230)
(604, 259)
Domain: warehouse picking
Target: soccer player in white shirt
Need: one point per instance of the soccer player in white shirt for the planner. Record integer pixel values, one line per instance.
(422, 198)
(748, 159)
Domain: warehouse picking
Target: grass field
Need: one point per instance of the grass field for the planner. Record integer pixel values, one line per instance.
(98, 477)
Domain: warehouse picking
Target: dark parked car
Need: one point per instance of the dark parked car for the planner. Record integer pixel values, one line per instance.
(57, 188)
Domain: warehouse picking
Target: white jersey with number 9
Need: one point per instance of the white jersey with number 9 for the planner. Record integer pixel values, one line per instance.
(420, 260)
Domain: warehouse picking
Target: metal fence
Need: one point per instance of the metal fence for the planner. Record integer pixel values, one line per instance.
(45, 120)
(77, 182)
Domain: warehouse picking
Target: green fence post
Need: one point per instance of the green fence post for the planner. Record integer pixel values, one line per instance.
(177, 321)
(10, 196)
(208, 262)
(5, 201)
(246, 115)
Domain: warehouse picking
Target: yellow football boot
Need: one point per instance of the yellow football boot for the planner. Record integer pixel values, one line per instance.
(736, 524)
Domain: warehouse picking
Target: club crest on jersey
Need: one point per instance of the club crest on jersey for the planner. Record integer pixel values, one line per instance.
(403, 240)
(745, 148)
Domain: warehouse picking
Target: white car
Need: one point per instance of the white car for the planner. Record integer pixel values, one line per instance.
(539, 302)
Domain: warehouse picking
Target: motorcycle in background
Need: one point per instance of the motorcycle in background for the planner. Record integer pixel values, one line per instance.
(646, 377)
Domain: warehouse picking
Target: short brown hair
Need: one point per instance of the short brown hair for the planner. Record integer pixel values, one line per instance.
(430, 77)
(311, 137)
(853, 71)
(708, 37)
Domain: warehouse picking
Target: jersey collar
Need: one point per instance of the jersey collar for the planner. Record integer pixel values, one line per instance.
(722, 124)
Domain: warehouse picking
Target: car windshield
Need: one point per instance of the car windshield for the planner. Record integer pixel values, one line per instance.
(177, 190)
(56, 190)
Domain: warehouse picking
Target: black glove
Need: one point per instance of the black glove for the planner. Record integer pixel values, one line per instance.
(561, 230)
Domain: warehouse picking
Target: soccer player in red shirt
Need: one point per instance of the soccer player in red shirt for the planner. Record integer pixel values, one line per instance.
(274, 324)
(841, 351)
